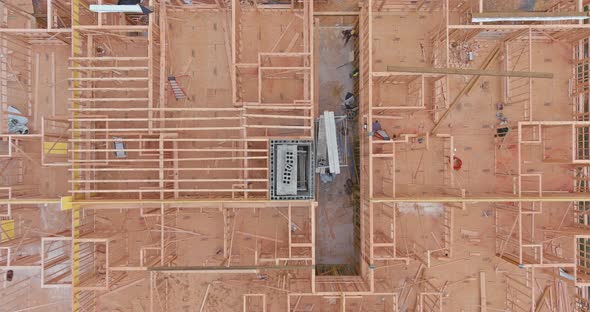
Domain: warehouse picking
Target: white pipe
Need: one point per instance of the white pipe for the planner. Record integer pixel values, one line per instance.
(109, 8)
(527, 19)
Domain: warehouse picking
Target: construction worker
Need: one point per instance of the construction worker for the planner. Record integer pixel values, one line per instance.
(376, 126)
(378, 132)
(347, 34)
(349, 101)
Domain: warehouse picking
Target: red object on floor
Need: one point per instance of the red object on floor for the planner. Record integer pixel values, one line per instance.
(457, 163)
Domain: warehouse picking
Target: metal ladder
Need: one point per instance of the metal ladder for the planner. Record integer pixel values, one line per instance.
(179, 93)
